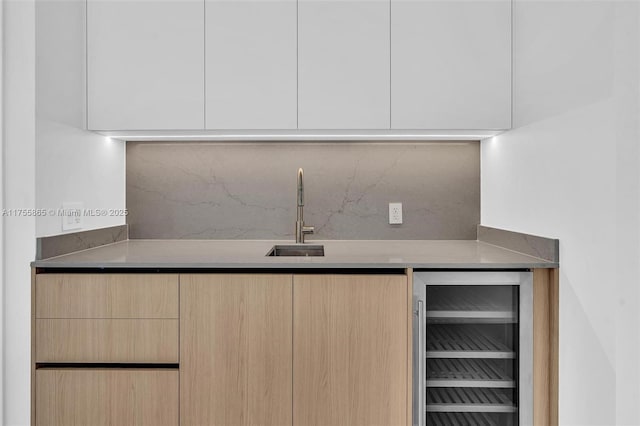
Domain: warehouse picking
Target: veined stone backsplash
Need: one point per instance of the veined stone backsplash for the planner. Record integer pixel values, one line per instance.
(211, 190)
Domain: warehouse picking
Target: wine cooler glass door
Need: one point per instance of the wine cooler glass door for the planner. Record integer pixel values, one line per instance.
(474, 358)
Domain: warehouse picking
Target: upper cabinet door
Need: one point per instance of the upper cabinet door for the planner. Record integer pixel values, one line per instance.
(251, 64)
(343, 64)
(145, 64)
(451, 64)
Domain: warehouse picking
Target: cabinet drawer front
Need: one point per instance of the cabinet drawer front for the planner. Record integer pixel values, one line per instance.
(107, 340)
(106, 397)
(107, 296)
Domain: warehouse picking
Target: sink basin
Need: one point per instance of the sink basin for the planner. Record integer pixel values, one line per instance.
(296, 250)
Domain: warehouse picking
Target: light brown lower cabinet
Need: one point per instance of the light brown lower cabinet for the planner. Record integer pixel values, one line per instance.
(304, 350)
(84, 321)
(106, 397)
(350, 360)
(235, 349)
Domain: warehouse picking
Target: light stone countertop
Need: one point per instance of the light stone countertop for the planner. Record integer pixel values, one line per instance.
(243, 254)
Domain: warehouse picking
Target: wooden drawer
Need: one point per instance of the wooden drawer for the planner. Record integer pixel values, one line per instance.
(107, 340)
(107, 296)
(122, 397)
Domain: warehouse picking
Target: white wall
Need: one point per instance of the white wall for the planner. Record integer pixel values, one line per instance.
(2, 268)
(71, 163)
(18, 27)
(570, 170)
(46, 159)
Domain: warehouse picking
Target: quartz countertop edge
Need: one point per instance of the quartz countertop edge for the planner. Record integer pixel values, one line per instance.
(339, 254)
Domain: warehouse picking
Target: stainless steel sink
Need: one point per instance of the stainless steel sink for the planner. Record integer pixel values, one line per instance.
(296, 250)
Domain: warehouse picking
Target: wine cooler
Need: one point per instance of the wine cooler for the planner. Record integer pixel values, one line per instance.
(473, 349)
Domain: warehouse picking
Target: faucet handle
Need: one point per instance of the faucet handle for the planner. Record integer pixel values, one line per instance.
(308, 229)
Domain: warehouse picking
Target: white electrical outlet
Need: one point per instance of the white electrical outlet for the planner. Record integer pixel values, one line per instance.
(72, 216)
(395, 213)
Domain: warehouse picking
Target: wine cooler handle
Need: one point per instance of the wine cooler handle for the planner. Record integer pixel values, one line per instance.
(419, 355)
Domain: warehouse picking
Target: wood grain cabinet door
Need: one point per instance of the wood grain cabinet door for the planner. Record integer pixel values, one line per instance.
(350, 350)
(235, 350)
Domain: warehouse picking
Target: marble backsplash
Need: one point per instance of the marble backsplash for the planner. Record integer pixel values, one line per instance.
(248, 190)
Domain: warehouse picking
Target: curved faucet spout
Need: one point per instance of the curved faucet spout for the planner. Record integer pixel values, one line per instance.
(300, 187)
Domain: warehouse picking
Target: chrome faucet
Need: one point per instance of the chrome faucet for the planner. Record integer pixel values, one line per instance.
(301, 229)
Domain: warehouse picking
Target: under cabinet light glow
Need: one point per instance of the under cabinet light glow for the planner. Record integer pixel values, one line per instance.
(303, 136)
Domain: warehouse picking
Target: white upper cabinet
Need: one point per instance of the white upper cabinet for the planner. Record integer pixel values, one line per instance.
(145, 64)
(451, 64)
(343, 64)
(255, 66)
(251, 64)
